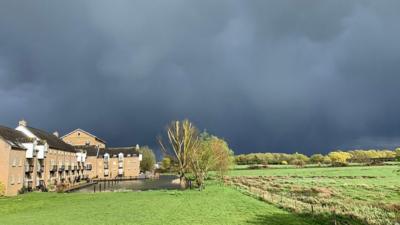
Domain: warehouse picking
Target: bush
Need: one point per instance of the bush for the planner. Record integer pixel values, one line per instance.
(254, 167)
(339, 164)
(23, 190)
(60, 188)
(298, 162)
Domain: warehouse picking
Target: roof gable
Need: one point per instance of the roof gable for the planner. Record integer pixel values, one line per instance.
(83, 131)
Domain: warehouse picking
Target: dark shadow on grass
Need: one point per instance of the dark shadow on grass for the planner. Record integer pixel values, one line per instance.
(302, 219)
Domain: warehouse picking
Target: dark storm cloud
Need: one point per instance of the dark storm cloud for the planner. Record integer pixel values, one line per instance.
(266, 75)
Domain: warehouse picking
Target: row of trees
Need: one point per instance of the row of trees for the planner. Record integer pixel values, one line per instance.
(194, 154)
(335, 157)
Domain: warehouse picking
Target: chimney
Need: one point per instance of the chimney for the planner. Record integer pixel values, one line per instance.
(23, 123)
(55, 133)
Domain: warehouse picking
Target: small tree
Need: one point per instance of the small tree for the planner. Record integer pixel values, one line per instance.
(327, 160)
(397, 153)
(183, 140)
(166, 164)
(339, 158)
(317, 158)
(148, 159)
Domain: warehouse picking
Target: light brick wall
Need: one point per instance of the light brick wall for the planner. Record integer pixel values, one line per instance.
(131, 166)
(81, 138)
(12, 168)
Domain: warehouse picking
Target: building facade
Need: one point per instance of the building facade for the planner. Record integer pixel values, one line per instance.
(34, 159)
(12, 161)
(52, 160)
(104, 162)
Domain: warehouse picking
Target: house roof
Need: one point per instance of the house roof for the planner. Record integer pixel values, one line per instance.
(13, 137)
(80, 130)
(124, 150)
(52, 140)
(92, 150)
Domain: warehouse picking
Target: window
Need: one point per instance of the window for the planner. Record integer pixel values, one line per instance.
(12, 181)
(14, 162)
(79, 134)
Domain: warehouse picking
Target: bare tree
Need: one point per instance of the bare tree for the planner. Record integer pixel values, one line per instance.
(183, 138)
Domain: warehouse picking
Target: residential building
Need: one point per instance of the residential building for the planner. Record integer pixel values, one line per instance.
(12, 160)
(55, 162)
(80, 137)
(105, 162)
(34, 159)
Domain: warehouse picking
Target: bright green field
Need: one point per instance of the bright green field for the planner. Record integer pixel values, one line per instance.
(215, 205)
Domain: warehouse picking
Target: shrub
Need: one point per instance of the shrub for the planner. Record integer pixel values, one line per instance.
(254, 167)
(317, 158)
(327, 160)
(298, 162)
(339, 158)
(60, 188)
(23, 190)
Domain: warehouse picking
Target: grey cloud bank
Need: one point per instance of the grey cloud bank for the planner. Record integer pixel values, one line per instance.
(281, 76)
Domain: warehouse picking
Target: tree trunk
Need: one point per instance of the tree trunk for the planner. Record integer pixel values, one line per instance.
(183, 181)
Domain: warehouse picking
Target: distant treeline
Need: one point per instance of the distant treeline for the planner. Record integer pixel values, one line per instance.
(334, 157)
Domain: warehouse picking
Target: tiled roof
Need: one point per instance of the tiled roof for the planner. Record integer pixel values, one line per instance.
(99, 152)
(13, 137)
(91, 150)
(52, 140)
(124, 150)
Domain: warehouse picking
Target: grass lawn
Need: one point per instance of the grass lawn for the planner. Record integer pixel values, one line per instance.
(215, 205)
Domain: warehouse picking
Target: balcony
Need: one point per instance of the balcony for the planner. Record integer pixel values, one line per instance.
(28, 168)
(53, 168)
(61, 168)
(40, 169)
(120, 165)
(120, 172)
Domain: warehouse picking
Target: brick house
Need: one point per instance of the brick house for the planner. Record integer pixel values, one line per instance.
(36, 159)
(105, 162)
(12, 160)
(55, 162)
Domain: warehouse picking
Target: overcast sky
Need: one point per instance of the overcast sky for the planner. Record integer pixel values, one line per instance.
(278, 76)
